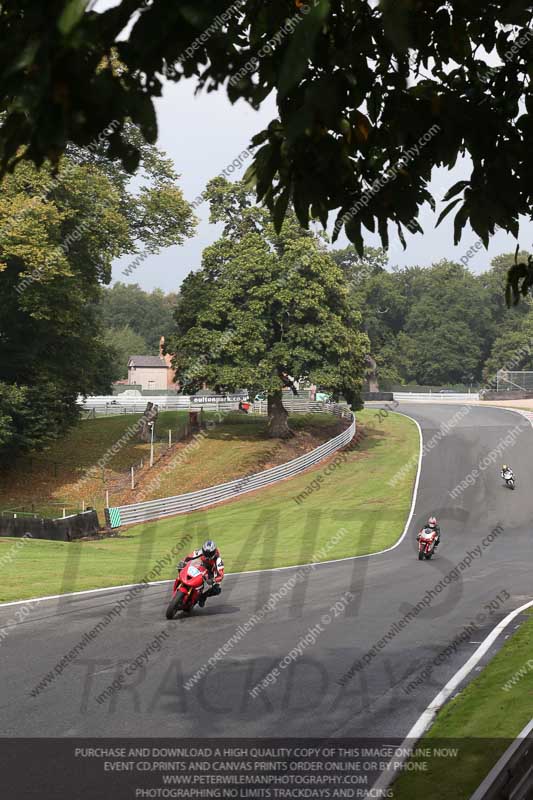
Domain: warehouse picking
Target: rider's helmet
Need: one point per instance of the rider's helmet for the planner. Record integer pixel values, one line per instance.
(209, 548)
(432, 522)
(504, 467)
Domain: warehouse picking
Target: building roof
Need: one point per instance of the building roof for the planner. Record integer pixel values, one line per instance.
(147, 361)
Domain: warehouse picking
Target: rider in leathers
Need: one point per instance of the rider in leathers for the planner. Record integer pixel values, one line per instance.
(211, 558)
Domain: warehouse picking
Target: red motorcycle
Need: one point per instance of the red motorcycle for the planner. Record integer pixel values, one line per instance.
(426, 543)
(188, 587)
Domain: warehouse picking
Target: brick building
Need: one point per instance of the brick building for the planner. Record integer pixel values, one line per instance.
(152, 372)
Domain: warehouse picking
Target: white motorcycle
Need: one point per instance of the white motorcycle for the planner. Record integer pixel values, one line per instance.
(508, 477)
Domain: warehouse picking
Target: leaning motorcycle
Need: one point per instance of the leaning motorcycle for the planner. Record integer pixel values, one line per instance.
(426, 543)
(191, 581)
(509, 478)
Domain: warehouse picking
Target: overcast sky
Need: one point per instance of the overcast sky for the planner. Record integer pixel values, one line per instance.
(204, 133)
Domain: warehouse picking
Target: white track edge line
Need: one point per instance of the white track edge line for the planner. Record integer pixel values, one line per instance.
(255, 571)
(426, 718)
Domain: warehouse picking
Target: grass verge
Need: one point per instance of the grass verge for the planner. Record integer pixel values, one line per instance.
(50, 479)
(233, 448)
(63, 475)
(493, 709)
(267, 529)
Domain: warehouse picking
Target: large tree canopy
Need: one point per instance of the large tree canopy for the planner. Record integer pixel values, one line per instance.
(513, 347)
(266, 310)
(443, 336)
(58, 237)
(436, 325)
(371, 95)
(148, 314)
(123, 343)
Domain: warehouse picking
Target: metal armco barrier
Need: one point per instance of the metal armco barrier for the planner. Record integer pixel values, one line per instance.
(192, 501)
(512, 776)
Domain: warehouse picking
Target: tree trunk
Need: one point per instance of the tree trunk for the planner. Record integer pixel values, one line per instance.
(278, 427)
(372, 374)
(150, 415)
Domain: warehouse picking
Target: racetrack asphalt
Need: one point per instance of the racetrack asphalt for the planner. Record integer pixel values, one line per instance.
(312, 695)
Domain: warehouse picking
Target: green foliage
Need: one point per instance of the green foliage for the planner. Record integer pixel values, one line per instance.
(281, 535)
(59, 235)
(358, 85)
(147, 314)
(443, 337)
(358, 269)
(124, 343)
(32, 415)
(434, 326)
(512, 339)
(519, 280)
(266, 309)
(12, 404)
(495, 280)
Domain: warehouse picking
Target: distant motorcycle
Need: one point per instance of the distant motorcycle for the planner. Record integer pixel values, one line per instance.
(426, 543)
(188, 587)
(508, 477)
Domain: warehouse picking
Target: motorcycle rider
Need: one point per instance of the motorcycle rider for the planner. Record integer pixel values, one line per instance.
(211, 559)
(506, 470)
(434, 526)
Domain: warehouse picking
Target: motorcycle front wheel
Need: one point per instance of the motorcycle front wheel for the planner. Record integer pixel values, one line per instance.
(175, 605)
(420, 555)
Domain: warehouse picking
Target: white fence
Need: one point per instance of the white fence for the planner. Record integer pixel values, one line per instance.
(192, 501)
(116, 409)
(113, 406)
(295, 406)
(430, 397)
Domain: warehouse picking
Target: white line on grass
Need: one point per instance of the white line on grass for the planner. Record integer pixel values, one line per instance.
(426, 718)
(255, 571)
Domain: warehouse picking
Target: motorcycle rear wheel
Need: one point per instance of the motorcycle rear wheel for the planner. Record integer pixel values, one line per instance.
(175, 605)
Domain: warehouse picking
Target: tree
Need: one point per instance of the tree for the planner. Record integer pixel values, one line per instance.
(440, 354)
(494, 281)
(431, 325)
(513, 347)
(359, 269)
(31, 415)
(370, 96)
(443, 338)
(266, 311)
(382, 301)
(58, 237)
(124, 343)
(148, 314)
